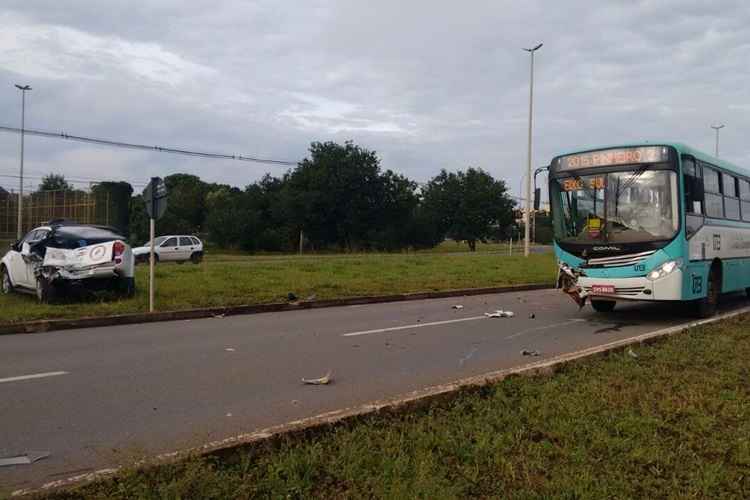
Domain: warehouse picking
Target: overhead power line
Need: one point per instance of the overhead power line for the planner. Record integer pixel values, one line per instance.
(144, 147)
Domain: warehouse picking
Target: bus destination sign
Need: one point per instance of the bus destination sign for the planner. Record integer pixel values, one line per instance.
(613, 157)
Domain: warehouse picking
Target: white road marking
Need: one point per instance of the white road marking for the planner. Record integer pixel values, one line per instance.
(538, 328)
(29, 377)
(407, 327)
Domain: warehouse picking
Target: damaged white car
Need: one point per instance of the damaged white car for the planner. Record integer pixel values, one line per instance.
(64, 257)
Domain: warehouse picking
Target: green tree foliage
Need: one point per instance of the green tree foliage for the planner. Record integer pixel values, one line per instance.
(113, 204)
(468, 206)
(340, 198)
(186, 208)
(55, 182)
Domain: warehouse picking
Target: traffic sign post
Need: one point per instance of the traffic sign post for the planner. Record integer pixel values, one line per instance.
(155, 197)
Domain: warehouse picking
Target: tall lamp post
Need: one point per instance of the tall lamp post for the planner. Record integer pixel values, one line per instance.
(527, 232)
(717, 128)
(23, 89)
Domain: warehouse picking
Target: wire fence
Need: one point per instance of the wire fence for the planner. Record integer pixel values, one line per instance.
(41, 206)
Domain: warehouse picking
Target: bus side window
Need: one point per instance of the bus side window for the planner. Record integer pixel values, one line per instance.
(693, 202)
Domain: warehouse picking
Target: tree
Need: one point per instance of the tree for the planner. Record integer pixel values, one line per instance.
(468, 206)
(55, 182)
(186, 205)
(334, 196)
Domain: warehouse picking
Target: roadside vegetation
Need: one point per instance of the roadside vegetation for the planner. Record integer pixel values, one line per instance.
(225, 280)
(668, 420)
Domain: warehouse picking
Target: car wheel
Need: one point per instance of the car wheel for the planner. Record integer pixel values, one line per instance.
(603, 306)
(6, 283)
(45, 291)
(196, 258)
(707, 305)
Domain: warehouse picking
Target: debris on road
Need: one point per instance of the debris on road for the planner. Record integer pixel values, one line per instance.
(527, 352)
(467, 357)
(25, 459)
(500, 314)
(324, 380)
(229, 414)
(312, 297)
(291, 297)
(219, 316)
(458, 307)
(295, 402)
(230, 349)
(532, 316)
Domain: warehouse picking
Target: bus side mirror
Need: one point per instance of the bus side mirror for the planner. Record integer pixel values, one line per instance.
(696, 188)
(537, 196)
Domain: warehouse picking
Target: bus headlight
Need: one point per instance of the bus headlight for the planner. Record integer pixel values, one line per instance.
(665, 269)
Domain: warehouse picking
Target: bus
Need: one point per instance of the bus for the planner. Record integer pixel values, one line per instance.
(650, 222)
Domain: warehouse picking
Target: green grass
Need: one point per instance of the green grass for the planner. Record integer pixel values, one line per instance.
(672, 423)
(223, 280)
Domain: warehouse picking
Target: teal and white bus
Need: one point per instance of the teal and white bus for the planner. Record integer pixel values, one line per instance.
(650, 222)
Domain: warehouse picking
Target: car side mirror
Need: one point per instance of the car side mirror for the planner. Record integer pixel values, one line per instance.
(537, 196)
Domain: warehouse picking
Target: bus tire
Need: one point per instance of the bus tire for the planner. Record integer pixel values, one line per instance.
(603, 306)
(707, 305)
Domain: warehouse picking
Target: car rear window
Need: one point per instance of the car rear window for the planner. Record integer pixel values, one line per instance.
(196, 241)
(72, 237)
(185, 242)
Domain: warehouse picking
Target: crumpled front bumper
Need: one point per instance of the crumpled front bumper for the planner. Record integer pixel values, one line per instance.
(667, 288)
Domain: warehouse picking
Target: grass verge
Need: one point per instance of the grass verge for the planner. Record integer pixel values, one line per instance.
(672, 422)
(256, 280)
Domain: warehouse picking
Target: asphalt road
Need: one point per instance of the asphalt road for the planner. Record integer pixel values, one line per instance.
(106, 396)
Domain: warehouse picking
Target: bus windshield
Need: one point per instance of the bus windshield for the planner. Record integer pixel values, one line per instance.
(619, 207)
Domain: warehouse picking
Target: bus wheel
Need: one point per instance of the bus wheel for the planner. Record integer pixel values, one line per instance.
(603, 306)
(707, 305)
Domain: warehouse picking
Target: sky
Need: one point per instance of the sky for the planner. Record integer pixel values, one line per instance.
(428, 85)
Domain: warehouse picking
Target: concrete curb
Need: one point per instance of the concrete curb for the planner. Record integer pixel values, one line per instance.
(406, 402)
(49, 325)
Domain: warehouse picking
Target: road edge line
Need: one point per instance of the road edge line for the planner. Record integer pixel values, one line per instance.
(51, 325)
(403, 402)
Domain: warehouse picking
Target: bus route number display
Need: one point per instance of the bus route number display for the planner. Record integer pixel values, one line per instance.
(612, 157)
(589, 183)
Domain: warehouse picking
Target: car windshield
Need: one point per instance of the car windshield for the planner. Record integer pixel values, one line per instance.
(619, 207)
(157, 241)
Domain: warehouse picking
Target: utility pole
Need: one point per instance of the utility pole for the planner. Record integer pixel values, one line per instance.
(527, 228)
(23, 89)
(717, 128)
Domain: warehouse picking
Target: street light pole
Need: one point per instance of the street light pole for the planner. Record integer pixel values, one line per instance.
(23, 89)
(717, 128)
(527, 229)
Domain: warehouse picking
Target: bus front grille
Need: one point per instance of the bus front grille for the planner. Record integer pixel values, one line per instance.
(625, 290)
(619, 260)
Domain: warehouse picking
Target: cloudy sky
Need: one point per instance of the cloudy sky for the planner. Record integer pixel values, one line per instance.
(427, 84)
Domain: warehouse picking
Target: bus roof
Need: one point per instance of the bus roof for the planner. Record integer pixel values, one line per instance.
(680, 147)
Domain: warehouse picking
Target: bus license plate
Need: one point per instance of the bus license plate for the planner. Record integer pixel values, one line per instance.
(603, 289)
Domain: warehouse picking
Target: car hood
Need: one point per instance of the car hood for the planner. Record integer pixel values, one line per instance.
(141, 250)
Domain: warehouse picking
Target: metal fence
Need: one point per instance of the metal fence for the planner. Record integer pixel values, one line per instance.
(42, 206)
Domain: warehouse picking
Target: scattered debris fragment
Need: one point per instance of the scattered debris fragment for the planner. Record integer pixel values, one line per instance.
(467, 357)
(219, 316)
(500, 314)
(291, 297)
(229, 414)
(25, 459)
(632, 353)
(458, 306)
(532, 316)
(324, 380)
(295, 402)
(312, 297)
(230, 349)
(527, 352)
